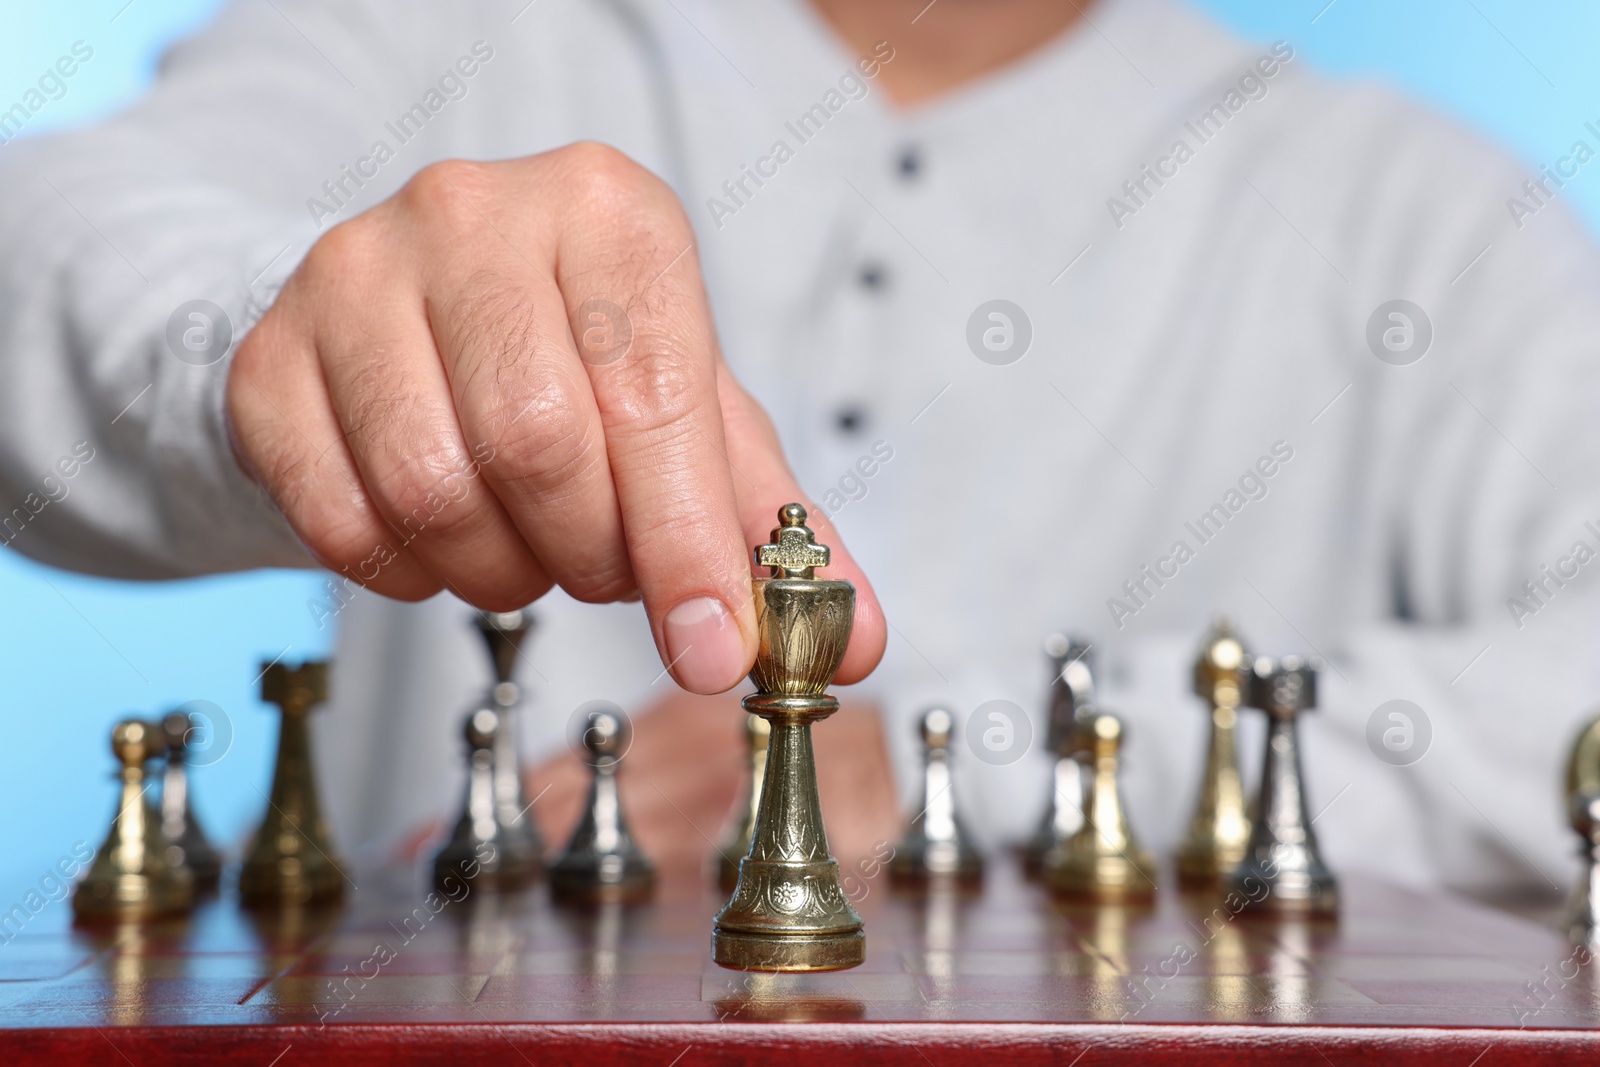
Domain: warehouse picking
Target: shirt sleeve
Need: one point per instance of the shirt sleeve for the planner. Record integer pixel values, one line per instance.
(114, 457)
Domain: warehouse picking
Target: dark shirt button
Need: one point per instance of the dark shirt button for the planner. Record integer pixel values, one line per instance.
(909, 164)
(872, 276)
(850, 419)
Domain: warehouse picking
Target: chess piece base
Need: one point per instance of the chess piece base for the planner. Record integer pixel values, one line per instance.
(272, 886)
(614, 878)
(746, 951)
(133, 896)
(1287, 892)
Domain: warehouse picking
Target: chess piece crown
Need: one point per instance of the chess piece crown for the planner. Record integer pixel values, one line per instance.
(134, 875)
(788, 911)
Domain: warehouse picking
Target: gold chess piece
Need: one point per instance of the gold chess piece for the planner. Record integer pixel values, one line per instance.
(935, 844)
(134, 875)
(291, 859)
(505, 632)
(1102, 861)
(178, 820)
(1583, 812)
(1282, 869)
(602, 862)
(742, 822)
(1071, 694)
(1219, 833)
(788, 911)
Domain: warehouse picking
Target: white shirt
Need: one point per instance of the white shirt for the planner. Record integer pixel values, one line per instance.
(1183, 331)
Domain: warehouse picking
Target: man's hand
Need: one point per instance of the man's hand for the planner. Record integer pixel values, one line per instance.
(505, 378)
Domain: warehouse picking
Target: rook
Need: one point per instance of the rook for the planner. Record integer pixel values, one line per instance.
(1282, 869)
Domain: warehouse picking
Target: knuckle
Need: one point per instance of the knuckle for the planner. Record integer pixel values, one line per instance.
(546, 440)
(443, 192)
(346, 250)
(660, 386)
(604, 173)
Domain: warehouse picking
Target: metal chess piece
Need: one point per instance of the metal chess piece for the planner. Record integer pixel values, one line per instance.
(935, 843)
(601, 861)
(1071, 694)
(291, 859)
(788, 911)
(742, 822)
(1583, 811)
(505, 632)
(178, 821)
(1282, 870)
(1102, 861)
(134, 875)
(1219, 833)
(476, 852)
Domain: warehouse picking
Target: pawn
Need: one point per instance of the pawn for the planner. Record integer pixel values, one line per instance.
(742, 821)
(935, 843)
(1583, 812)
(1071, 694)
(601, 861)
(178, 822)
(133, 874)
(1220, 829)
(1283, 869)
(477, 852)
(1102, 862)
(291, 860)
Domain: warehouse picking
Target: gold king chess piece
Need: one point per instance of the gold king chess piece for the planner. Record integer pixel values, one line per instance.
(1071, 694)
(1583, 812)
(1102, 862)
(936, 845)
(788, 911)
(1219, 833)
(1282, 870)
(134, 875)
(742, 821)
(291, 859)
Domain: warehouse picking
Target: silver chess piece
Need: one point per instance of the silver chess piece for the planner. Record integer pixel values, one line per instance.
(178, 821)
(602, 862)
(505, 632)
(477, 850)
(1071, 696)
(1583, 812)
(935, 844)
(742, 821)
(1282, 869)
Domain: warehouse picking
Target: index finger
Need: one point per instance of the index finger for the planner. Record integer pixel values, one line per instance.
(652, 359)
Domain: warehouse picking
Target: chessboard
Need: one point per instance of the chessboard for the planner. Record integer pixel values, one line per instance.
(1001, 974)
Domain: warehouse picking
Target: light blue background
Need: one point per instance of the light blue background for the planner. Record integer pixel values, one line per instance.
(76, 653)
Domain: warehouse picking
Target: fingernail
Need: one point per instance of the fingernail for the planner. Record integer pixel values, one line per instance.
(704, 646)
